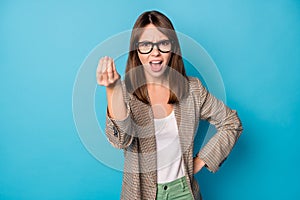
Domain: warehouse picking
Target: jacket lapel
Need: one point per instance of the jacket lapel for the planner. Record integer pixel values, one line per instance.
(144, 126)
(185, 122)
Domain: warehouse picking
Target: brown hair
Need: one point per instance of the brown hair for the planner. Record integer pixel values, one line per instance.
(135, 78)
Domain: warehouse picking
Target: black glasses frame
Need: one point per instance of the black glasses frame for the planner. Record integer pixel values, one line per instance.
(154, 44)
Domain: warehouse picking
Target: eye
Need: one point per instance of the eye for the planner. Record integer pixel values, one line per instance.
(165, 42)
(145, 44)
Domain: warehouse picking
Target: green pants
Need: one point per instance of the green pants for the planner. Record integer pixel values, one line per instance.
(175, 190)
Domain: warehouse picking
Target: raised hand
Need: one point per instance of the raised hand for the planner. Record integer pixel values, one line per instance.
(107, 74)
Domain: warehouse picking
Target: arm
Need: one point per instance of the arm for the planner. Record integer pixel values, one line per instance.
(228, 126)
(118, 121)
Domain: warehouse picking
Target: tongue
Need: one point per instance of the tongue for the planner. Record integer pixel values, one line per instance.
(155, 67)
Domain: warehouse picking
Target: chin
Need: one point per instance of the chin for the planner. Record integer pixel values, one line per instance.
(156, 72)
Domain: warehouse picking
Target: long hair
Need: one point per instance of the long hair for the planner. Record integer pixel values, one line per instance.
(135, 79)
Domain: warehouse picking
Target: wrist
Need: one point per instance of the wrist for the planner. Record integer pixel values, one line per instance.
(113, 86)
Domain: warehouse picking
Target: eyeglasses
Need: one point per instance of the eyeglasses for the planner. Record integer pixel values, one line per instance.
(146, 47)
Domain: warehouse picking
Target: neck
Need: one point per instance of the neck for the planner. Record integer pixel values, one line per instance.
(163, 81)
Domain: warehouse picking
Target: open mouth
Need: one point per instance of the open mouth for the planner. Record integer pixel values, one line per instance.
(156, 65)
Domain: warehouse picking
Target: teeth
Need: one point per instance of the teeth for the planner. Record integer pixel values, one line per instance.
(156, 62)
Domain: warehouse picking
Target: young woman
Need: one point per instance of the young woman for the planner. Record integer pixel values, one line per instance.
(154, 114)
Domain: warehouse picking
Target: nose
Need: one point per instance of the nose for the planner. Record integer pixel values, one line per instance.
(155, 51)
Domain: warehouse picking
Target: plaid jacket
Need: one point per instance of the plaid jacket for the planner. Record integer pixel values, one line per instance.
(136, 136)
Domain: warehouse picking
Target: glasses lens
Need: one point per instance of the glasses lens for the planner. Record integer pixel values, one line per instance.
(145, 47)
(165, 46)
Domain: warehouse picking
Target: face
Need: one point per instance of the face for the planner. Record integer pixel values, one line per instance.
(154, 62)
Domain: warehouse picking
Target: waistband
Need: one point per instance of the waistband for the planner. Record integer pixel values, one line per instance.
(178, 183)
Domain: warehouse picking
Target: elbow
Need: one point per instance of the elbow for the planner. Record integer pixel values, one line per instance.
(119, 133)
(121, 145)
(118, 138)
(232, 124)
(238, 126)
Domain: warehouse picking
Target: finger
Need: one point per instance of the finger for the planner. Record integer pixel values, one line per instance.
(116, 74)
(110, 73)
(98, 72)
(99, 67)
(104, 64)
(99, 78)
(104, 80)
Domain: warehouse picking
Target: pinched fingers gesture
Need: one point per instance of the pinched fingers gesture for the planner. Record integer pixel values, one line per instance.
(107, 74)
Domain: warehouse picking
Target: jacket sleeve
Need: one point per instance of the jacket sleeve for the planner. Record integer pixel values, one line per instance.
(119, 132)
(228, 126)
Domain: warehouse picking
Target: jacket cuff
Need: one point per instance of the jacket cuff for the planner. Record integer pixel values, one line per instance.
(213, 153)
(119, 131)
(209, 164)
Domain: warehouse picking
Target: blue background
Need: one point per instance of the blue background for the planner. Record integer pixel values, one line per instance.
(255, 44)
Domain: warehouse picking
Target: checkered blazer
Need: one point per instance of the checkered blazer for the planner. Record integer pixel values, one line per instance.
(136, 136)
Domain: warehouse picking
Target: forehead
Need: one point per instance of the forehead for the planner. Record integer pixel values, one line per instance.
(151, 33)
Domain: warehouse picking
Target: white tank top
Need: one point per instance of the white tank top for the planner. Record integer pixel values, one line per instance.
(169, 158)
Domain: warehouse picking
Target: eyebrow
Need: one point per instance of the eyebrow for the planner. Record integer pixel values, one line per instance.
(154, 42)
